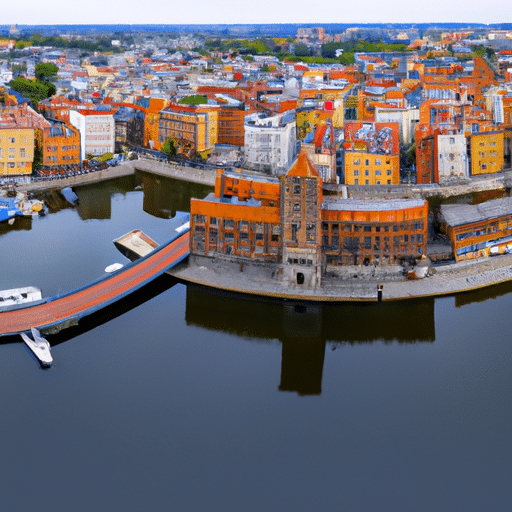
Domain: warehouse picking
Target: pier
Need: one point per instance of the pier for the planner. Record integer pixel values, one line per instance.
(53, 314)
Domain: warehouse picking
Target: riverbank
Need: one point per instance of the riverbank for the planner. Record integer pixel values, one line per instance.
(251, 279)
(179, 172)
(256, 280)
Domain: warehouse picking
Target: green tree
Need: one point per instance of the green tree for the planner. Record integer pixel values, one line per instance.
(196, 99)
(301, 50)
(34, 90)
(38, 155)
(170, 147)
(46, 71)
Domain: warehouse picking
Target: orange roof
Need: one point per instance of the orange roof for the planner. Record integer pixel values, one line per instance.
(303, 166)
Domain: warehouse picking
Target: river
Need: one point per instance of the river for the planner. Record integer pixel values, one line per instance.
(183, 399)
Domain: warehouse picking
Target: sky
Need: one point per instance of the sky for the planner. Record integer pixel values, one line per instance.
(57, 12)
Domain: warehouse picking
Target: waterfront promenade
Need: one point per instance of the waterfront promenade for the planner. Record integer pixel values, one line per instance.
(443, 280)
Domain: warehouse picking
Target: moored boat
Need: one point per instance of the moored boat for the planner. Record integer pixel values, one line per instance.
(9, 208)
(17, 296)
(135, 244)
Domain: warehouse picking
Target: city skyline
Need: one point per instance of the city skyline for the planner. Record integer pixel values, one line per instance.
(57, 12)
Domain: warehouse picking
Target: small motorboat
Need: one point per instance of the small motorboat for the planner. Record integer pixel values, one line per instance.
(19, 296)
(39, 347)
(114, 267)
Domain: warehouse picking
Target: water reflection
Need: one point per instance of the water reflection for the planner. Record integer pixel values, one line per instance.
(483, 294)
(19, 224)
(94, 201)
(304, 329)
(164, 196)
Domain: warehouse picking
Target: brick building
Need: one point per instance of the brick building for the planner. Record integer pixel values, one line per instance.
(286, 222)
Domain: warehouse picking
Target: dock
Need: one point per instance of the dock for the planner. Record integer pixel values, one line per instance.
(53, 314)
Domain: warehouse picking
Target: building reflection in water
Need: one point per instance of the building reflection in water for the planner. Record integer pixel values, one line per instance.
(95, 201)
(18, 224)
(483, 294)
(304, 329)
(164, 196)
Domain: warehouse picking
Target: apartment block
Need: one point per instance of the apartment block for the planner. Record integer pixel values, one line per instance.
(270, 143)
(97, 131)
(486, 152)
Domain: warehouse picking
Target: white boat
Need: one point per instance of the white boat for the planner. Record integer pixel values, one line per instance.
(135, 244)
(114, 267)
(39, 347)
(19, 296)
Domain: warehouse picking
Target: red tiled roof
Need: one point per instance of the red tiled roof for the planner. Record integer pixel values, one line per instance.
(303, 167)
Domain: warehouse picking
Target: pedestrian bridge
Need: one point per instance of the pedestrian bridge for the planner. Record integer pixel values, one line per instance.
(55, 313)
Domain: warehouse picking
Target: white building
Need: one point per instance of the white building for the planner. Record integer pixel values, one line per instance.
(405, 117)
(270, 143)
(452, 157)
(97, 131)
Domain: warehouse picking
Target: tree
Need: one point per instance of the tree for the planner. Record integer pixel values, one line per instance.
(301, 50)
(196, 99)
(34, 90)
(170, 147)
(38, 155)
(46, 71)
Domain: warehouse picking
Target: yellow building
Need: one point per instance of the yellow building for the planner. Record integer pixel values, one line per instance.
(187, 126)
(213, 123)
(486, 150)
(16, 149)
(363, 168)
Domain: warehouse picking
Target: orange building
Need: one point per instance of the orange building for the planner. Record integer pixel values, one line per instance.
(151, 122)
(480, 230)
(58, 107)
(231, 126)
(288, 223)
(61, 145)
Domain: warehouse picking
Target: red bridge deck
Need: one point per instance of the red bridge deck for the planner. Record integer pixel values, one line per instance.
(56, 313)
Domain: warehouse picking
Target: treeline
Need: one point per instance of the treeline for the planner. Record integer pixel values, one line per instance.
(300, 51)
(101, 44)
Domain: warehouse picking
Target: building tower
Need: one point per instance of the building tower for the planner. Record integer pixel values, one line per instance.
(301, 200)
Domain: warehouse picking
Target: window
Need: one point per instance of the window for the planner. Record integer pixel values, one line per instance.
(367, 172)
(356, 173)
(377, 161)
(296, 207)
(452, 140)
(377, 173)
(12, 140)
(295, 230)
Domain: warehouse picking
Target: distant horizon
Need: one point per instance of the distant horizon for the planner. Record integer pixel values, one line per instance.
(268, 24)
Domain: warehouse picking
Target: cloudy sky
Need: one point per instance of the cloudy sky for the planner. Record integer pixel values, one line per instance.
(53, 12)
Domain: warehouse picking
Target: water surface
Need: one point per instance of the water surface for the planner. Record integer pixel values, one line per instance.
(183, 399)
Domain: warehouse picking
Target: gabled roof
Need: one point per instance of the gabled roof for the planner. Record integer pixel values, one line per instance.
(303, 167)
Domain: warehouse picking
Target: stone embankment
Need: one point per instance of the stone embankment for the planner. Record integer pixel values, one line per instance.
(179, 172)
(262, 281)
